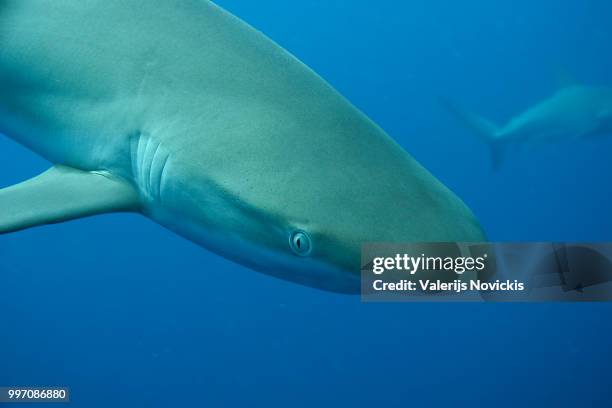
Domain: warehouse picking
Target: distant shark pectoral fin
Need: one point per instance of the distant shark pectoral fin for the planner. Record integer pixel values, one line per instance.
(63, 193)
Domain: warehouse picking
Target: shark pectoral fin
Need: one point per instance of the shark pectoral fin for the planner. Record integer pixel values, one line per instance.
(61, 194)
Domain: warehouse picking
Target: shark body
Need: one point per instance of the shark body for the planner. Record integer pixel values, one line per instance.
(186, 114)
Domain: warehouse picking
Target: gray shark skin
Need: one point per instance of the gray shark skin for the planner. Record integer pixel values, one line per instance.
(184, 113)
(573, 112)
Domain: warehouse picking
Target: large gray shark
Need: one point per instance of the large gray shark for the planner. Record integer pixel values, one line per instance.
(184, 113)
(573, 112)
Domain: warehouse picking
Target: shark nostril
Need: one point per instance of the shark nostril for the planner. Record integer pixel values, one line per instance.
(300, 243)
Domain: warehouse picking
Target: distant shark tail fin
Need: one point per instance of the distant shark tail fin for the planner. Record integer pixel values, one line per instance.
(483, 128)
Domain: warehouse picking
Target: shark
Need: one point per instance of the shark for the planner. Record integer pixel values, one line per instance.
(189, 116)
(574, 111)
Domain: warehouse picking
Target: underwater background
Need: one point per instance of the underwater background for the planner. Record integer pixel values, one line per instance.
(127, 314)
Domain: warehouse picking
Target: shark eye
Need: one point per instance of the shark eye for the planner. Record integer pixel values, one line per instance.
(300, 243)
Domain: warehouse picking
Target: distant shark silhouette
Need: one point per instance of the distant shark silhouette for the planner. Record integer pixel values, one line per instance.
(184, 113)
(573, 112)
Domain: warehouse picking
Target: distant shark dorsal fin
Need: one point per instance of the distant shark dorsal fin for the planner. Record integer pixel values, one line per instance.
(63, 193)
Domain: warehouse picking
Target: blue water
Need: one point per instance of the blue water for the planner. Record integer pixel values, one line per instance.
(130, 315)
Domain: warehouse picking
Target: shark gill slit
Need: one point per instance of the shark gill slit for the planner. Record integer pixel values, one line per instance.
(149, 160)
